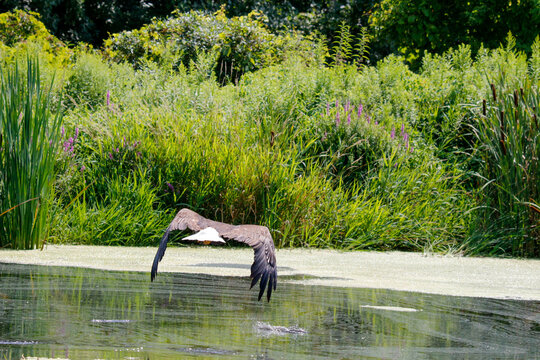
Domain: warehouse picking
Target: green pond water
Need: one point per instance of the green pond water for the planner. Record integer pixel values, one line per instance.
(76, 313)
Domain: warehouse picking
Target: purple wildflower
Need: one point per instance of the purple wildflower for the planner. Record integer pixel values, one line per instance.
(349, 119)
(50, 143)
(393, 133)
(171, 188)
(347, 106)
(360, 108)
(368, 118)
(117, 149)
(68, 145)
(76, 132)
(327, 109)
(108, 98)
(83, 168)
(337, 118)
(110, 156)
(406, 140)
(402, 129)
(376, 122)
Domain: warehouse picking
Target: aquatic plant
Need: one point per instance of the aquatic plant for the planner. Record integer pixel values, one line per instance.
(30, 134)
(508, 151)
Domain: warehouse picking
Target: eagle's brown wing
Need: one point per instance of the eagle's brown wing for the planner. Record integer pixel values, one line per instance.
(264, 264)
(258, 237)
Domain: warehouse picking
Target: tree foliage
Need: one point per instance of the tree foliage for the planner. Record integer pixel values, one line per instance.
(412, 27)
(20, 26)
(93, 20)
(405, 26)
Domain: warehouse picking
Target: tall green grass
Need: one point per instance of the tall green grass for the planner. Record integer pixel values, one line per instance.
(249, 154)
(508, 134)
(285, 148)
(30, 135)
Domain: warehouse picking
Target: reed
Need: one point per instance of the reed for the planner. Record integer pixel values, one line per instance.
(30, 135)
(508, 151)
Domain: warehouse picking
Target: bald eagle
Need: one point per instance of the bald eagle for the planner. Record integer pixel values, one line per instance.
(209, 231)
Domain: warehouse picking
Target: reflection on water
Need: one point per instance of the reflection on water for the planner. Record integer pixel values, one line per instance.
(88, 314)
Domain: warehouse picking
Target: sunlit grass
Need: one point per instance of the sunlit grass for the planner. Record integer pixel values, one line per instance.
(145, 165)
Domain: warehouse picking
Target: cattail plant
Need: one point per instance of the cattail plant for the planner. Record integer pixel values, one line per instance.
(509, 152)
(30, 134)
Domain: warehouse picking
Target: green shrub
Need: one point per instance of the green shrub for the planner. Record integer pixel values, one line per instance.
(88, 82)
(242, 43)
(20, 27)
(349, 142)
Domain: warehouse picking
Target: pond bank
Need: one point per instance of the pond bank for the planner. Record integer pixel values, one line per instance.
(445, 275)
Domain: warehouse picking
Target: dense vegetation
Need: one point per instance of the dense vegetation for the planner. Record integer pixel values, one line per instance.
(412, 27)
(308, 140)
(405, 26)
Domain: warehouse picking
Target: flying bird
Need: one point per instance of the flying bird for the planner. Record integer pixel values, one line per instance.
(209, 231)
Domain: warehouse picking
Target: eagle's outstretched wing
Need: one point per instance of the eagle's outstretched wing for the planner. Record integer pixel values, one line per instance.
(258, 237)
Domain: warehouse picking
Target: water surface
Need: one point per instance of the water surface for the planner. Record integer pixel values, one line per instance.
(80, 313)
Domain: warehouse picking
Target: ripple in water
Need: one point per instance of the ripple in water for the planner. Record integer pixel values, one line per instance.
(266, 329)
(17, 342)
